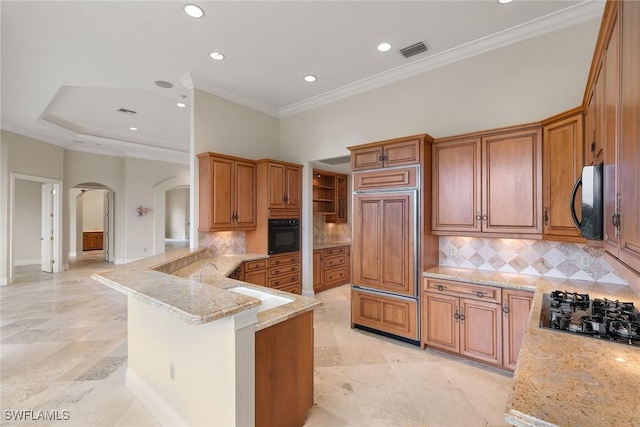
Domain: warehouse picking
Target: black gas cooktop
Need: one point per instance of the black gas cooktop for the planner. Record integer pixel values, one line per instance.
(599, 318)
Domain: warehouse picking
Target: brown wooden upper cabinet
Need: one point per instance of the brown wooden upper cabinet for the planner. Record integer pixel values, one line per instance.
(562, 149)
(397, 152)
(489, 183)
(330, 195)
(283, 186)
(227, 193)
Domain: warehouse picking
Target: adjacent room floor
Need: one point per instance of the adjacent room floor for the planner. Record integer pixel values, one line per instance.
(63, 348)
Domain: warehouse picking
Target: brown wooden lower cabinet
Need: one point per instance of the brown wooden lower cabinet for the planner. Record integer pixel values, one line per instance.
(331, 267)
(92, 240)
(516, 308)
(483, 323)
(284, 372)
(285, 272)
(398, 316)
(256, 272)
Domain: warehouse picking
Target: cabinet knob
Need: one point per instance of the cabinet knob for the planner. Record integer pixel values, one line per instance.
(479, 294)
(505, 310)
(441, 287)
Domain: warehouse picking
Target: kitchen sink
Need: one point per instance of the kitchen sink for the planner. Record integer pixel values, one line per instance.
(269, 301)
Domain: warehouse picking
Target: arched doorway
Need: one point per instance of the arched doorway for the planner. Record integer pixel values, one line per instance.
(160, 193)
(92, 219)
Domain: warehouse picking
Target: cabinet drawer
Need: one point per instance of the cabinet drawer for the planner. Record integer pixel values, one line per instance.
(381, 179)
(278, 260)
(336, 276)
(335, 251)
(284, 213)
(284, 269)
(258, 264)
(487, 293)
(294, 289)
(279, 282)
(398, 316)
(335, 261)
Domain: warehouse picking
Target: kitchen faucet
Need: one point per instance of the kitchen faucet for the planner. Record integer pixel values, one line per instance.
(202, 268)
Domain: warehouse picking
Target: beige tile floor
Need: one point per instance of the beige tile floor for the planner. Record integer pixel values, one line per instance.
(63, 348)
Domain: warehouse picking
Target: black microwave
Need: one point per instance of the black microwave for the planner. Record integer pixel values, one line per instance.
(590, 223)
(284, 235)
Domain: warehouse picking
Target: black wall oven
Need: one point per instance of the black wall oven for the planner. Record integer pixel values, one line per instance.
(284, 235)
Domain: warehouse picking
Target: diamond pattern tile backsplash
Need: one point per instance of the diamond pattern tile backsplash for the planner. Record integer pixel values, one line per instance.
(223, 242)
(561, 260)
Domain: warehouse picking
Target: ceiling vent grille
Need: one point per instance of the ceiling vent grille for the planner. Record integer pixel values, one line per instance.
(125, 111)
(414, 49)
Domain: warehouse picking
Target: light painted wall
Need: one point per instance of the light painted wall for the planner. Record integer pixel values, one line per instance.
(93, 210)
(140, 177)
(520, 83)
(177, 213)
(27, 225)
(225, 127)
(20, 154)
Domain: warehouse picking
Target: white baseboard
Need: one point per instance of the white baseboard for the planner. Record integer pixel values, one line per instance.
(4, 281)
(159, 407)
(73, 254)
(22, 262)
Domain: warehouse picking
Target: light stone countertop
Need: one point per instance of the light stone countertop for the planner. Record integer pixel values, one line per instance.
(330, 244)
(169, 282)
(564, 379)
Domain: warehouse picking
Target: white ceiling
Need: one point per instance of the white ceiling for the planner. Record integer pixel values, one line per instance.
(67, 67)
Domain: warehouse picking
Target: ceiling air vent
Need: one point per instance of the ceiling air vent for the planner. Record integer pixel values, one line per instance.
(125, 111)
(414, 49)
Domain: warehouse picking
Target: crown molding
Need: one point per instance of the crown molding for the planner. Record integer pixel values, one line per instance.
(582, 12)
(193, 81)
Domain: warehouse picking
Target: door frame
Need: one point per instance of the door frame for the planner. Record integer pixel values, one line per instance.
(58, 267)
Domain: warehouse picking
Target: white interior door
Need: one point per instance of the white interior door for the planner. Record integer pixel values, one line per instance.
(46, 251)
(108, 226)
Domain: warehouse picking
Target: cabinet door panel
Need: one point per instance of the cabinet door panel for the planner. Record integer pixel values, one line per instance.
(456, 184)
(515, 321)
(293, 189)
(385, 240)
(367, 240)
(512, 182)
(366, 158)
(439, 327)
(481, 331)
(563, 144)
(402, 153)
(317, 270)
(612, 114)
(392, 315)
(398, 244)
(257, 277)
(222, 191)
(245, 191)
(629, 161)
(276, 174)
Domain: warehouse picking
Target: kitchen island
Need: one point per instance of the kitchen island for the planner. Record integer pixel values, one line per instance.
(192, 346)
(564, 379)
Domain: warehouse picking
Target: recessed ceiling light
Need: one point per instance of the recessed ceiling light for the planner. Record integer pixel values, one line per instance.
(163, 84)
(383, 47)
(181, 104)
(193, 11)
(217, 56)
(133, 128)
(504, 1)
(310, 78)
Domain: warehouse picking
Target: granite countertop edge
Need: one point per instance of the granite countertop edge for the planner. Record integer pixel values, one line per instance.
(180, 294)
(330, 244)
